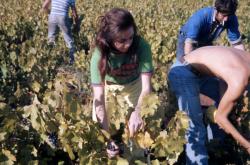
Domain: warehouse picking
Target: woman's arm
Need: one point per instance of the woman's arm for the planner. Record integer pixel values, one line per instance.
(135, 120)
(99, 106)
(146, 87)
(225, 107)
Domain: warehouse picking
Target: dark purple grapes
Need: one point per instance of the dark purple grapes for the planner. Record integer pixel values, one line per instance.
(53, 138)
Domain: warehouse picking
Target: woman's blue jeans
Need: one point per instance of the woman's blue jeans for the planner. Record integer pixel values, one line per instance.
(187, 86)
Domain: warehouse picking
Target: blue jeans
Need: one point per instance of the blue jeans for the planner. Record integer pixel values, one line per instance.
(217, 133)
(187, 86)
(62, 22)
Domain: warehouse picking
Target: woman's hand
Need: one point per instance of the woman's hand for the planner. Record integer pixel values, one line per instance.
(135, 123)
(135, 120)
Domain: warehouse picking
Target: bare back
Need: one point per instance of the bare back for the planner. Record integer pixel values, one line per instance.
(222, 62)
(231, 65)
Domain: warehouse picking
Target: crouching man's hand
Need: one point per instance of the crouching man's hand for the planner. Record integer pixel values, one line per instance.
(248, 149)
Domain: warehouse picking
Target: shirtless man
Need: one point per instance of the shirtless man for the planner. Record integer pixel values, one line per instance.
(229, 64)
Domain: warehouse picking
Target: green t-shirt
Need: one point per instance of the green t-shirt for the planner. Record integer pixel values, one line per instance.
(122, 68)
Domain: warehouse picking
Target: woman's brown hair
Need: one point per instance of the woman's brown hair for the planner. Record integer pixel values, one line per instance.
(110, 26)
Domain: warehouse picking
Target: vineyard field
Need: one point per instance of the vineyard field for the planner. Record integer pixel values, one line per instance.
(45, 103)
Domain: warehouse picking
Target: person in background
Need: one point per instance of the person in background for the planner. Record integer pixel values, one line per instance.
(59, 18)
(207, 24)
(121, 60)
(229, 64)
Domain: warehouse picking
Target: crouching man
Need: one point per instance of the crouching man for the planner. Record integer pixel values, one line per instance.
(229, 64)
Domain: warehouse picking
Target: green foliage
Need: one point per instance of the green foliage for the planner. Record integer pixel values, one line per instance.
(159, 143)
(41, 96)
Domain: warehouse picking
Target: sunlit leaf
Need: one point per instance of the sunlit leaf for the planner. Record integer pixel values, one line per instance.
(2, 136)
(122, 161)
(9, 155)
(144, 140)
(36, 86)
(13, 56)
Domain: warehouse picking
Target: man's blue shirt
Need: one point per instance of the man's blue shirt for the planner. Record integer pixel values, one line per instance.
(202, 28)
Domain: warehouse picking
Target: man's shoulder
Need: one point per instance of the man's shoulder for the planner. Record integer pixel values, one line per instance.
(205, 11)
(232, 18)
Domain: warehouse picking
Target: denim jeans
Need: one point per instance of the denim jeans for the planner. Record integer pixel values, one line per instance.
(62, 22)
(187, 86)
(217, 133)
